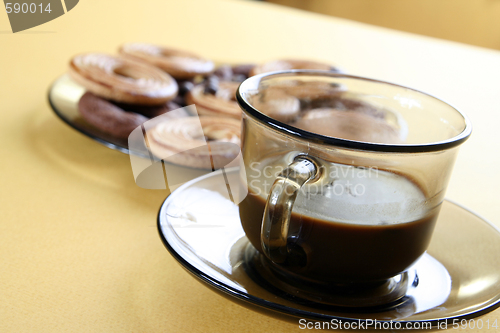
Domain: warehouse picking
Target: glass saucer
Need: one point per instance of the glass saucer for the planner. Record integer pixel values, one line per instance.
(458, 277)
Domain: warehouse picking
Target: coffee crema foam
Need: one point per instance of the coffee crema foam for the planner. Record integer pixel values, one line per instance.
(344, 193)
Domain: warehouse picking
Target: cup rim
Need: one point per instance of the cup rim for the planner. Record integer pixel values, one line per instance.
(252, 83)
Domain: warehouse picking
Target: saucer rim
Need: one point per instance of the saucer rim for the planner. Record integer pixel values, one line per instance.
(286, 310)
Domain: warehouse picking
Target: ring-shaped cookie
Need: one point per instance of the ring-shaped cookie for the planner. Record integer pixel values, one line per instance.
(183, 141)
(122, 80)
(181, 65)
(288, 64)
(350, 125)
(107, 117)
(119, 120)
(222, 103)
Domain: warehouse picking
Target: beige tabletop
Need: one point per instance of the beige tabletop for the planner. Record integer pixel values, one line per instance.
(79, 247)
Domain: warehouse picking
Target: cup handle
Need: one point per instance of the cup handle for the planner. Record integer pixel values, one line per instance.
(276, 219)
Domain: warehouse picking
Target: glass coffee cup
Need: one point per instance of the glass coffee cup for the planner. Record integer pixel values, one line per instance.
(345, 175)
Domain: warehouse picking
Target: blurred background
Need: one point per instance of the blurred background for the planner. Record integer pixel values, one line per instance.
(475, 22)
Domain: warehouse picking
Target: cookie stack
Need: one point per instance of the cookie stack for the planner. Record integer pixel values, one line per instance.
(145, 81)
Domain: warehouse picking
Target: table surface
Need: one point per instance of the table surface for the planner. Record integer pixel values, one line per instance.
(79, 245)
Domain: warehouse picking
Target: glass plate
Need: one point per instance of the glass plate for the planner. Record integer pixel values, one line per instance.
(64, 95)
(458, 277)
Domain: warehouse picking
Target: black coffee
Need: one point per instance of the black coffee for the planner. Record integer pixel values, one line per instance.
(350, 236)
